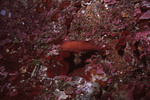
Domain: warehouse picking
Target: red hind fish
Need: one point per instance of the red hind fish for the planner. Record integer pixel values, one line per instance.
(77, 46)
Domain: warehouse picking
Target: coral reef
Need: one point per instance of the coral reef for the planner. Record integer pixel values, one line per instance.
(75, 49)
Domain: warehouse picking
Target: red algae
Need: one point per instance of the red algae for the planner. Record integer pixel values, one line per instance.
(36, 64)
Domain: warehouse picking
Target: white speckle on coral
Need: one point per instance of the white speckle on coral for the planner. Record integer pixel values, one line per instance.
(88, 3)
(99, 77)
(121, 81)
(83, 11)
(9, 15)
(53, 52)
(79, 80)
(89, 84)
(88, 88)
(104, 46)
(87, 69)
(22, 23)
(54, 26)
(87, 39)
(106, 6)
(57, 90)
(148, 39)
(93, 78)
(98, 15)
(3, 12)
(61, 95)
(7, 50)
(44, 68)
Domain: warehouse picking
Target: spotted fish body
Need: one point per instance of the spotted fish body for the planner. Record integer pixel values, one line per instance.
(77, 46)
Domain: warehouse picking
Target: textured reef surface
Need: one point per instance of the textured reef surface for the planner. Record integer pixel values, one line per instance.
(75, 50)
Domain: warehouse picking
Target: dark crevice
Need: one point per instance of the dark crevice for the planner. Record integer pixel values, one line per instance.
(136, 52)
(81, 64)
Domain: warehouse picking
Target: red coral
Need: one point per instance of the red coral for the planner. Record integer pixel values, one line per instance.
(40, 7)
(64, 4)
(48, 4)
(55, 16)
(146, 15)
(68, 21)
(77, 6)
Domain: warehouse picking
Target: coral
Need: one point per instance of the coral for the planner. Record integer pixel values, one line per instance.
(75, 49)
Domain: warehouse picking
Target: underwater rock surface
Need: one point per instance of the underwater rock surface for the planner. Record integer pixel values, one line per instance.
(75, 49)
